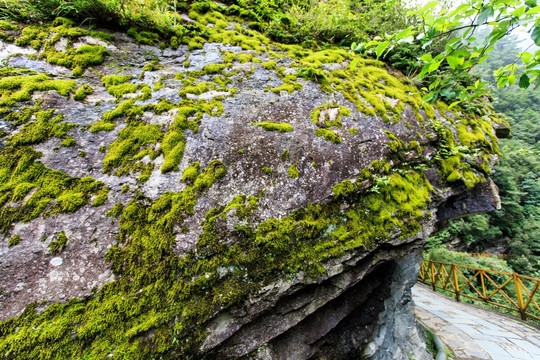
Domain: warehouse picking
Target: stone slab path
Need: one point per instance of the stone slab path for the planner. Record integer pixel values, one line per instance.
(475, 333)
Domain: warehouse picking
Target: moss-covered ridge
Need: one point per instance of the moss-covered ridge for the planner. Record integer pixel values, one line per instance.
(160, 303)
(367, 85)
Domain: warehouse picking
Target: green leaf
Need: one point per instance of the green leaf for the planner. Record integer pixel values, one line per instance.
(424, 71)
(371, 43)
(426, 57)
(524, 81)
(519, 11)
(430, 5)
(535, 35)
(535, 10)
(448, 93)
(454, 104)
(530, 3)
(452, 61)
(380, 48)
(431, 97)
(404, 33)
(431, 32)
(434, 66)
(502, 81)
(485, 14)
(460, 9)
(525, 57)
(482, 59)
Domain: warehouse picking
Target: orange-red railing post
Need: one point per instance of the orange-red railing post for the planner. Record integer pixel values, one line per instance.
(484, 297)
(433, 278)
(456, 284)
(519, 295)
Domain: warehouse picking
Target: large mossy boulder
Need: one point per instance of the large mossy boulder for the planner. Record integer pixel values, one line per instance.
(227, 197)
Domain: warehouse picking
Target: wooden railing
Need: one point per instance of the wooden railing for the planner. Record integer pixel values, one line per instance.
(513, 292)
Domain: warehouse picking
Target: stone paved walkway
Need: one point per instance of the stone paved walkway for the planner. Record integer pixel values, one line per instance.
(475, 333)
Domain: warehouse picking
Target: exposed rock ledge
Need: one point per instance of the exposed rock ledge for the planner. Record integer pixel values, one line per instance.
(315, 261)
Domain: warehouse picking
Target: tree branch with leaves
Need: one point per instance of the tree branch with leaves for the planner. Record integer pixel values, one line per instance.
(462, 50)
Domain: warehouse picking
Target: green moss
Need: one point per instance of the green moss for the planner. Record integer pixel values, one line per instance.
(71, 202)
(159, 303)
(119, 90)
(316, 59)
(4, 25)
(454, 176)
(63, 21)
(163, 106)
(116, 210)
(14, 240)
(82, 92)
(32, 35)
(194, 290)
(42, 128)
(190, 114)
(117, 85)
(195, 43)
(293, 171)
(102, 126)
(124, 108)
(269, 65)
(285, 155)
(471, 137)
(143, 37)
(152, 66)
(222, 81)
(272, 126)
(146, 92)
(191, 173)
(79, 59)
(173, 146)
(111, 80)
(288, 86)
(266, 170)
(134, 142)
(328, 135)
(14, 89)
(59, 245)
(36, 190)
(101, 197)
(214, 68)
(343, 188)
(327, 122)
(69, 142)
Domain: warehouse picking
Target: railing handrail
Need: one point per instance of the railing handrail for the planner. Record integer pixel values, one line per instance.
(447, 276)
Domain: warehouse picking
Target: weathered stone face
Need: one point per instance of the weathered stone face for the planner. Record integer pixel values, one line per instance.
(272, 216)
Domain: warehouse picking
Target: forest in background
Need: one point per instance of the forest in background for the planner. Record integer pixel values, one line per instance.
(515, 229)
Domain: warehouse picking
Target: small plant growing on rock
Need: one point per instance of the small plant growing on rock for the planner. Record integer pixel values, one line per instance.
(14, 240)
(56, 247)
